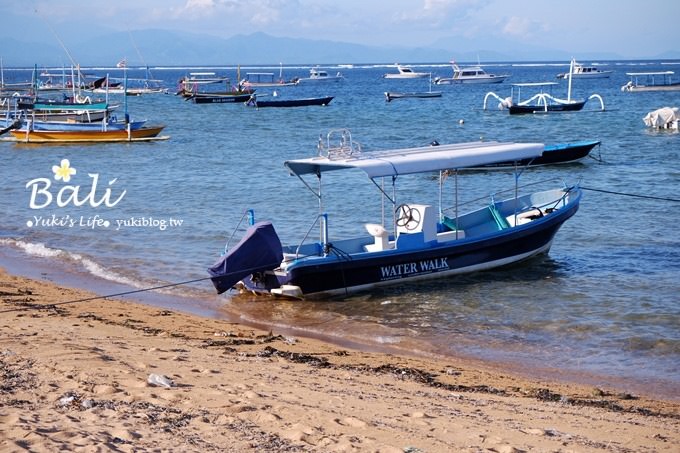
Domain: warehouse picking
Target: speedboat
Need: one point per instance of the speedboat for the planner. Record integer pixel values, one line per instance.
(319, 75)
(585, 72)
(406, 72)
(473, 74)
(411, 239)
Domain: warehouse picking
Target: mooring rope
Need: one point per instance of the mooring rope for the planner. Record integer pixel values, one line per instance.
(650, 197)
(88, 299)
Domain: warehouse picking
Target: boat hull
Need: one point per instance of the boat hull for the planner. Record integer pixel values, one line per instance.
(221, 99)
(553, 154)
(389, 96)
(643, 88)
(519, 109)
(25, 136)
(470, 81)
(292, 102)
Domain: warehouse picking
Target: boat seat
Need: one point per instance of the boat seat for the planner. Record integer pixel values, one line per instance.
(380, 237)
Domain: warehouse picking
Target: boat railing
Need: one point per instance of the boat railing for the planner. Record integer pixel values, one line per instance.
(499, 193)
(324, 233)
(345, 147)
(250, 215)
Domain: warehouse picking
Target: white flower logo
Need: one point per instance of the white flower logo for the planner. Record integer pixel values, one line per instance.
(63, 172)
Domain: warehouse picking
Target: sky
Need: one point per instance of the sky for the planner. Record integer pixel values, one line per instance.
(625, 27)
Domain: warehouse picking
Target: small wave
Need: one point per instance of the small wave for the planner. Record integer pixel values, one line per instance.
(41, 250)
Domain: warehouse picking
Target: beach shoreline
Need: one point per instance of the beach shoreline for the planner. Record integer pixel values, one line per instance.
(118, 374)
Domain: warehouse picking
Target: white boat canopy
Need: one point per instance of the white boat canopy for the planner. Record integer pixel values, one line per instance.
(418, 160)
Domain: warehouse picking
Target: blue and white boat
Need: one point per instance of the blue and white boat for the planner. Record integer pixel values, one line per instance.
(417, 241)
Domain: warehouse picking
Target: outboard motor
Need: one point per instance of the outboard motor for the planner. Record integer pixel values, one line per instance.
(259, 250)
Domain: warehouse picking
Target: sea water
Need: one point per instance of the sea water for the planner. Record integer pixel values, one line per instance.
(602, 307)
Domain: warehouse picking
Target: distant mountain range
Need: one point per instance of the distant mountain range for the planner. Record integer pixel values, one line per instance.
(171, 48)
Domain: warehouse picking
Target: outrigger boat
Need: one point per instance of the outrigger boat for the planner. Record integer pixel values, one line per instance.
(142, 133)
(418, 241)
(542, 102)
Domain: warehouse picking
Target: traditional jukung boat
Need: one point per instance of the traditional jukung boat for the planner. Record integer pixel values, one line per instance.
(418, 242)
(390, 95)
(542, 102)
(220, 98)
(143, 133)
(253, 101)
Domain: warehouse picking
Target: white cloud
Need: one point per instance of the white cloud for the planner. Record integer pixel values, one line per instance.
(522, 27)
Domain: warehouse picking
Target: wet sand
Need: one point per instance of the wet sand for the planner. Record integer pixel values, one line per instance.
(105, 375)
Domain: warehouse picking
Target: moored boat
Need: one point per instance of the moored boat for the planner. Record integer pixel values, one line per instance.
(420, 241)
(204, 98)
(317, 75)
(26, 135)
(581, 71)
(542, 102)
(254, 101)
(651, 81)
(664, 118)
(470, 75)
(558, 153)
(405, 72)
(390, 95)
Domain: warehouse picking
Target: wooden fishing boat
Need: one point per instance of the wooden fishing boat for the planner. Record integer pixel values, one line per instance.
(390, 95)
(417, 242)
(299, 102)
(98, 136)
(543, 101)
(215, 98)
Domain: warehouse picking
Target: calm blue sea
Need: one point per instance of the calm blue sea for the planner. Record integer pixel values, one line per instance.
(602, 308)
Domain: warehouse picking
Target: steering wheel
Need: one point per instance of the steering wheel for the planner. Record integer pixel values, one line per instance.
(407, 217)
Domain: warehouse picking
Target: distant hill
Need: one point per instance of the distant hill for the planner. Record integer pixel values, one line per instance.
(163, 47)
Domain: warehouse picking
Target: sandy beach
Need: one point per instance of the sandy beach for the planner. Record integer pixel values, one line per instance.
(114, 375)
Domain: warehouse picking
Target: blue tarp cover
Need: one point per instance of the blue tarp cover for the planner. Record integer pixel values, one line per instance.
(260, 249)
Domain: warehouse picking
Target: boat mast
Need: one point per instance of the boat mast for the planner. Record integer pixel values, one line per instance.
(571, 71)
